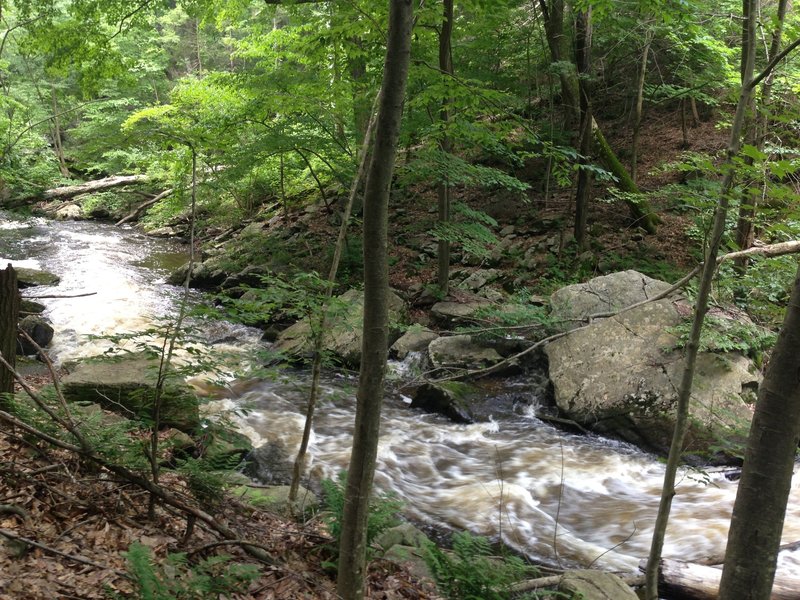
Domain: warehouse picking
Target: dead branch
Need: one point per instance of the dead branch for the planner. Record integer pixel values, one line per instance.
(137, 212)
(74, 558)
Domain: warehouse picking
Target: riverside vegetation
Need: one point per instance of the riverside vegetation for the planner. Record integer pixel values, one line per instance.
(540, 187)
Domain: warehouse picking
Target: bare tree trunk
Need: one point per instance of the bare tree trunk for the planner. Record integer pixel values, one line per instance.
(553, 14)
(352, 553)
(637, 119)
(444, 192)
(57, 141)
(758, 513)
(745, 233)
(89, 187)
(583, 50)
(701, 306)
(9, 313)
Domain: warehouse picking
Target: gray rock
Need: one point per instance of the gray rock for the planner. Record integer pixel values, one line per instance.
(32, 277)
(450, 399)
(413, 340)
(604, 294)
(448, 313)
(461, 351)
(127, 386)
(618, 376)
(480, 278)
(270, 464)
(205, 275)
(595, 585)
(168, 231)
(40, 332)
(29, 306)
(69, 212)
(343, 335)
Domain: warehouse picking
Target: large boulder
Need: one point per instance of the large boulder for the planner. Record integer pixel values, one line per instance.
(413, 340)
(450, 314)
(128, 386)
(594, 585)
(342, 337)
(604, 294)
(206, 275)
(620, 376)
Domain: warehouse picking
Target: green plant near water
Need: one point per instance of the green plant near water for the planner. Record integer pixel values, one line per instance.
(177, 579)
(471, 572)
(383, 510)
(728, 335)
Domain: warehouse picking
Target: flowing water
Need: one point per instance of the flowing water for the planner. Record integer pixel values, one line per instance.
(556, 497)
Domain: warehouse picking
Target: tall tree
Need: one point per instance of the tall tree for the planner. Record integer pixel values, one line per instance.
(701, 307)
(352, 553)
(583, 60)
(444, 190)
(757, 521)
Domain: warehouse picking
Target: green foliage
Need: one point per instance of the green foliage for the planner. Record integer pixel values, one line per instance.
(727, 335)
(383, 510)
(177, 579)
(471, 572)
(469, 229)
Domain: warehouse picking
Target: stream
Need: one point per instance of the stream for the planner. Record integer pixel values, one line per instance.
(558, 498)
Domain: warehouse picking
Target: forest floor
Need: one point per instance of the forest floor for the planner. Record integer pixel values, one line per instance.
(84, 520)
(66, 525)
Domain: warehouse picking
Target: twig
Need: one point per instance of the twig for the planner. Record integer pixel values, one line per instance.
(75, 558)
(13, 509)
(225, 543)
(61, 296)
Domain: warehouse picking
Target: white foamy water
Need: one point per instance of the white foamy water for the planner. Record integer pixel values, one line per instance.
(553, 496)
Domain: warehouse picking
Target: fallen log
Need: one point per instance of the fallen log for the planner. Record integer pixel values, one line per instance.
(137, 212)
(89, 187)
(677, 579)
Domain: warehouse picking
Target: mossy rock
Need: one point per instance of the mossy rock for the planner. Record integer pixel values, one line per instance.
(128, 386)
(31, 307)
(275, 498)
(224, 448)
(451, 399)
(32, 277)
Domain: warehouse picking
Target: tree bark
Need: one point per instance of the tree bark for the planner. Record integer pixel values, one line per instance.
(637, 117)
(89, 187)
(352, 553)
(444, 191)
(553, 14)
(701, 307)
(758, 512)
(9, 313)
(583, 49)
(745, 233)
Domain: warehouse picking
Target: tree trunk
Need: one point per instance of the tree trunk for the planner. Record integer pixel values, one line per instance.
(9, 313)
(444, 193)
(701, 306)
(89, 187)
(641, 211)
(757, 521)
(583, 60)
(352, 553)
(745, 233)
(637, 117)
(557, 43)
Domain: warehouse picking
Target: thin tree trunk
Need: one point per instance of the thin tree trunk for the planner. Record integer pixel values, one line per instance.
(57, 142)
(637, 118)
(9, 313)
(758, 513)
(583, 50)
(701, 306)
(444, 191)
(352, 552)
(745, 233)
(553, 14)
(316, 364)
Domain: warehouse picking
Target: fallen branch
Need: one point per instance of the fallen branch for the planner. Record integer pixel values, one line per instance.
(552, 581)
(61, 296)
(137, 212)
(74, 558)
